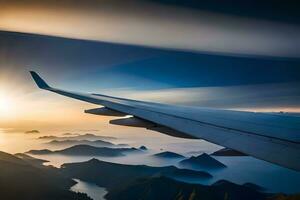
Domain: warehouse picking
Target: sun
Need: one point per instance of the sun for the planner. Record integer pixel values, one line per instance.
(6, 105)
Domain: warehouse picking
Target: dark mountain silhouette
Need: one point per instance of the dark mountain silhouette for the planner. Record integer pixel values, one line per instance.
(87, 150)
(87, 136)
(97, 143)
(106, 174)
(40, 152)
(204, 161)
(30, 159)
(32, 131)
(144, 148)
(72, 134)
(168, 154)
(228, 152)
(48, 137)
(163, 188)
(21, 180)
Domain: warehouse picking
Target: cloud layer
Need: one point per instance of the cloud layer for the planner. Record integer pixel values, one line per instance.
(151, 24)
(260, 97)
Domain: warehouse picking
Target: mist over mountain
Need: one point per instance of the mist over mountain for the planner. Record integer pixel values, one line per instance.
(87, 150)
(204, 161)
(30, 159)
(110, 175)
(228, 152)
(32, 131)
(72, 142)
(168, 154)
(87, 136)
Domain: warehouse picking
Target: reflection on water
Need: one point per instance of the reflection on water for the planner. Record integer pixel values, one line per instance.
(92, 190)
(245, 169)
(271, 176)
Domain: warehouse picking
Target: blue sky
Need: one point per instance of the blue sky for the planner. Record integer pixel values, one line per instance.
(93, 62)
(237, 55)
(213, 80)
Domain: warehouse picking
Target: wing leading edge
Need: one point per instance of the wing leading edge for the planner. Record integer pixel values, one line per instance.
(270, 137)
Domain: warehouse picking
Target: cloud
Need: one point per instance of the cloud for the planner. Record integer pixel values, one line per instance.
(259, 97)
(150, 24)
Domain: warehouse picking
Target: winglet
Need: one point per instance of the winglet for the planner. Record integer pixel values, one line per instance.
(39, 81)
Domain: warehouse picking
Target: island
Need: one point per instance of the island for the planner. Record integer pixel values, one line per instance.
(168, 155)
(228, 152)
(203, 161)
(32, 131)
(87, 136)
(97, 143)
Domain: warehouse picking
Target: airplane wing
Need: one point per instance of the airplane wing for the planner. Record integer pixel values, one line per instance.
(271, 137)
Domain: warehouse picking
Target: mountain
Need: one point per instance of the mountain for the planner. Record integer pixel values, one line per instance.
(21, 180)
(87, 136)
(163, 188)
(30, 159)
(87, 150)
(40, 152)
(47, 137)
(144, 148)
(109, 175)
(32, 131)
(97, 143)
(204, 161)
(168, 154)
(228, 152)
(72, 134)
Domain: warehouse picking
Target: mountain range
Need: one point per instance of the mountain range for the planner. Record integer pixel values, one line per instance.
(228, 152)
(97, 143)
(168, 154)
(109, 175)
(22, 179)
(87, 136)
(164, 188)
(87, 150)
(203, 161)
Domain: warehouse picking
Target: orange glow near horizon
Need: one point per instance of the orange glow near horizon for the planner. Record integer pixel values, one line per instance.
(5, 104)
(23, 106)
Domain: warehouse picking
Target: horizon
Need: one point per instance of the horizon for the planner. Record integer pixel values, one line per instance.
(149, 99)
(205, 80)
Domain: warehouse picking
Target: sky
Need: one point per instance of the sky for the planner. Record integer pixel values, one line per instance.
(186, 25)
(179, 52)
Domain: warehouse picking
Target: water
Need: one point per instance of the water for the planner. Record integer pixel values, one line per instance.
(240, 169)
(271, 177)
(92, 190)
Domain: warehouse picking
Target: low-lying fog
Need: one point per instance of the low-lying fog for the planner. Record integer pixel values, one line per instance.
(239, 169)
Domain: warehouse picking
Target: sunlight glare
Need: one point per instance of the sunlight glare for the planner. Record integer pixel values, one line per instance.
(6, 105)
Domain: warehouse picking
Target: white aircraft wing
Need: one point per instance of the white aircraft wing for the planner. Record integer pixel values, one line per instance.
(271, 137)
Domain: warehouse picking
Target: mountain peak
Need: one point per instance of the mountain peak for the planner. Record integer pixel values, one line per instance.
(203, 161)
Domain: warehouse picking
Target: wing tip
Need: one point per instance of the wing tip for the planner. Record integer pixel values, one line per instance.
(39, 81)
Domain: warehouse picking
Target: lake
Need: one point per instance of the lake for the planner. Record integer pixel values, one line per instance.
(92, 190)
